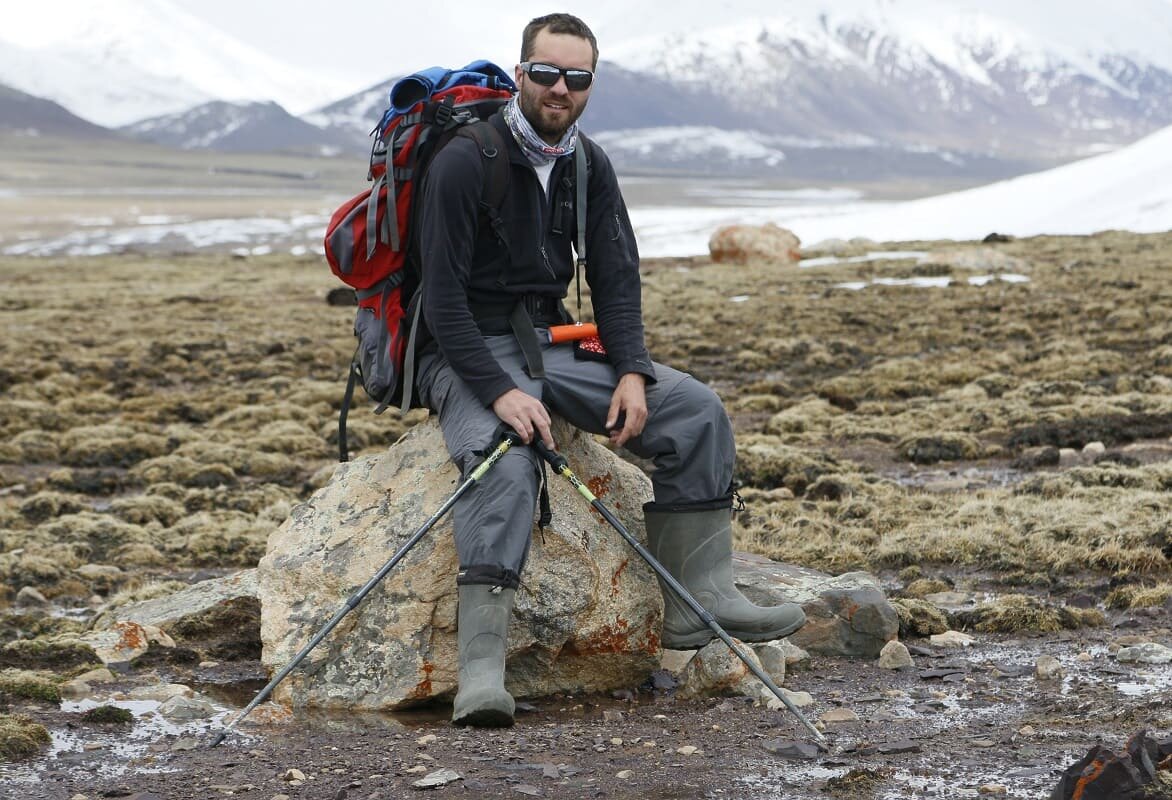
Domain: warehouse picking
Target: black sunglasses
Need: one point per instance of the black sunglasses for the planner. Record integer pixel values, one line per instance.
(577, 80)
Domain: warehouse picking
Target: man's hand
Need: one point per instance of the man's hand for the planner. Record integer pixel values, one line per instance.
(629, 404)
(525, 414)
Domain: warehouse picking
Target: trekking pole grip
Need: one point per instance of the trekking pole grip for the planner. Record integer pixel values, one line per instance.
(552, 457)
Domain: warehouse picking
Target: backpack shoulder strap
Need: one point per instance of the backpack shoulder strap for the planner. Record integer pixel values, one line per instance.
(491, 145)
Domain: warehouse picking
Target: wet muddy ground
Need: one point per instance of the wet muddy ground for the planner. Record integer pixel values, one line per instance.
(994, 438)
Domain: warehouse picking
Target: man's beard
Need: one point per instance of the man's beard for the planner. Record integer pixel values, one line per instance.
(546, 128)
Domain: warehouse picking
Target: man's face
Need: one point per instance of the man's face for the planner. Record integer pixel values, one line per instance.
(551, 110)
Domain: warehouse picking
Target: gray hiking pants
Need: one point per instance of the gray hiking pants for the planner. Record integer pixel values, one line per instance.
(687, 436)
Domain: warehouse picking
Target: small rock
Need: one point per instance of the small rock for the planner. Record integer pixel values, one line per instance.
(186, 708)
(624, 774)
(75, 689)
(896, 748)
(950, 600)
(799, 699)
(835, 715)
(1026, 730)
(951, 639)
(1069, 457)
(1047, 668)
(1146, 653)
(616, 741)
(1085, 656)
(430, 738)
(687, 750)
(28, 597)
(787, 748)
(674, 661)
(1093, 449)
(441, 777)
(293, 774)
(186, 743)
(992, 789)
(895, 655)
(612, 716)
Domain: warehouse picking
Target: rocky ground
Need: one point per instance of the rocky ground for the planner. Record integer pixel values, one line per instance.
(985, 427)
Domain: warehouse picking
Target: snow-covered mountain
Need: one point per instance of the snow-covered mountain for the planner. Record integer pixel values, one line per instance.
(33, 116)
(1128, 189)
(118, 61)
(1022, 78)
(239, 127)
(854, 89)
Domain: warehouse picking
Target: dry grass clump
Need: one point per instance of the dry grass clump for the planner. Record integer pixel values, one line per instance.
(1138, 596)
(46, 505)
(1017, 612)
(184, 471)
(29, 685)
(918, 617)
(145, 509)
(47, 653)
(920, 587)
(109, 446)
(765, 463)
(945, 446)
(20, 737)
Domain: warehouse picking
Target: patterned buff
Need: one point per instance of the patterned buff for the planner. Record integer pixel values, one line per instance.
(538, 151)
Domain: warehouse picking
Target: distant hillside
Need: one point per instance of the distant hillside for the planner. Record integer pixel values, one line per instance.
(24, 112)
(238, 127)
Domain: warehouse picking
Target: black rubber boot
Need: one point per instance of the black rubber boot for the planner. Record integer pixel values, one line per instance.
(696, 548)
(482, 637)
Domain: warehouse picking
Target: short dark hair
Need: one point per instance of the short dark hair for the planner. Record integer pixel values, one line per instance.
(557, 23)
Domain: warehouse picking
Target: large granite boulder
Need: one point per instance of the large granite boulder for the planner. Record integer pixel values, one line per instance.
(586, 619)
(587, 616)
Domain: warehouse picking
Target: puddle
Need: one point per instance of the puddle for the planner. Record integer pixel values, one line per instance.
(933, 282)
(875, 255)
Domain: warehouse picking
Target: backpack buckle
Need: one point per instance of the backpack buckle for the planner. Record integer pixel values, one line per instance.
(443, 112)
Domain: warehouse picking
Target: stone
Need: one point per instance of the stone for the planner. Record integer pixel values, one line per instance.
(787, 748)
(951, 601)
(179, 708)
(588, 619)
(716, 670)
(1092, 449)
(674, 661)
(839, 715)
(772, 657)
(118, 645)
(1069, 457)
(951, 639)
(1145, 653)
(745, 244)
(977, 259)
(218, 616)
(28, 597)
(1047, 668)
(441, 777)
(895, 655)
(846, 614)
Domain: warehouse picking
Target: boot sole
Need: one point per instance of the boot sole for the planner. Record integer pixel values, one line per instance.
(699, 639)
(485, 718)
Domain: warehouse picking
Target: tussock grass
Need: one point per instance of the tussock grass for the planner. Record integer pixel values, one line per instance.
(174, 424)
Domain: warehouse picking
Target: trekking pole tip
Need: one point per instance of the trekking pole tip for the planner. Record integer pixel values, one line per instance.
(219, 738)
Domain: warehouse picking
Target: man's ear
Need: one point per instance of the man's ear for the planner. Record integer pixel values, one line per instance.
(517, 73)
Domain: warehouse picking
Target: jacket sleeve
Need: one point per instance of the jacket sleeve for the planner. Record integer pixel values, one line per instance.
(449, 217)
(612, 270)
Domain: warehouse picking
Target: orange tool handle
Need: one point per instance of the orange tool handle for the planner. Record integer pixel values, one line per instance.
(570, 333)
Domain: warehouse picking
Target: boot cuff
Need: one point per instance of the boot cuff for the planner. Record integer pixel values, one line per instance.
(689, 506)
(488, 575)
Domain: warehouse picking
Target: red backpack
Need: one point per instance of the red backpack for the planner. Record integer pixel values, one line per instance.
(369, 242)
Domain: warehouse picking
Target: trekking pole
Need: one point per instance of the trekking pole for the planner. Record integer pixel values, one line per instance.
(560, 465)
(509, 440)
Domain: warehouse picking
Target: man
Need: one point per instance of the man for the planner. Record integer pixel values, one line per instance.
(474, 373)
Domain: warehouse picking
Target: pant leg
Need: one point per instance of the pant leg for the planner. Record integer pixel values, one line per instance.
(688, 435)
(493, 520)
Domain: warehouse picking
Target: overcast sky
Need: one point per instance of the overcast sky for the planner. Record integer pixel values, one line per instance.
(359, 39)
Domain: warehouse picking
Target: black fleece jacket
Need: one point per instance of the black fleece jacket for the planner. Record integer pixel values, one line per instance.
(463, 261)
